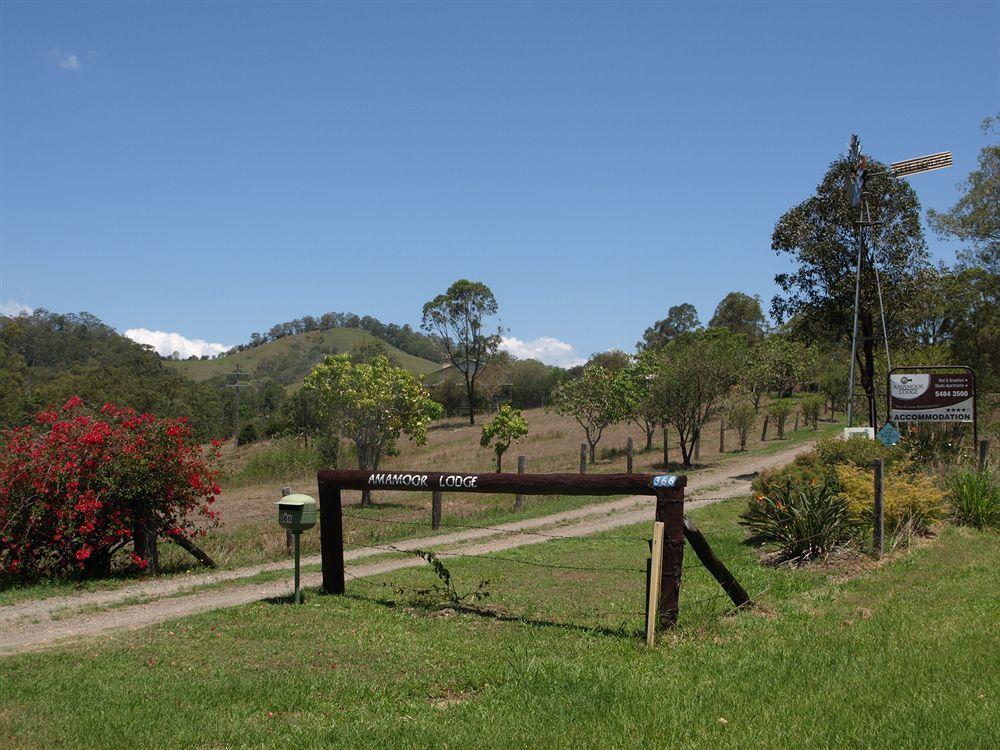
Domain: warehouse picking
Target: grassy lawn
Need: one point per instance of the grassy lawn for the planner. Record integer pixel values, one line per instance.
(844, 655)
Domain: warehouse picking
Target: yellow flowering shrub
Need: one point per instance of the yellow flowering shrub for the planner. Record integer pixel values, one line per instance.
(907, 496)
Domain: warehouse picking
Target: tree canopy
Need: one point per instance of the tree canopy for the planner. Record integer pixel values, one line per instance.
(740, 313)
(681, 319)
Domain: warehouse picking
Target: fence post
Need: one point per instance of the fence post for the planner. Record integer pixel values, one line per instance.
(697, 444)
(878, 508)
(522, 466)
(285, 492)
(984, 452)
(722, 436)
(796, 427)
(670, 510)
(666, 447)
(436, 509)
(655, 573)
(628, 454)
(331, 538)
(583, 458)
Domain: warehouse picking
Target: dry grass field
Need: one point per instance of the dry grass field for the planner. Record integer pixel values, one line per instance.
(249, 531)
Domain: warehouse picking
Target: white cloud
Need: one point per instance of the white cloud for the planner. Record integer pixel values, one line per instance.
(168, 343)
(12, 308)
(68, 60)
(545, 349)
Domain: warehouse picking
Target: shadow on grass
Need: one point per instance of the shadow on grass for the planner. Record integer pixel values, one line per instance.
(375, 505)
(284, 599)
(492, 614)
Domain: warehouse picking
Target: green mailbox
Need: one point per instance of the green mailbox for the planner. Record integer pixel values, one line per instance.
(296, 512)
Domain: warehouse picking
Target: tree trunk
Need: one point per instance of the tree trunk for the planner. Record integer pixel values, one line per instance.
(470, 391)
(868, 371)
(593, 452)
(686, 453)
(650, 429)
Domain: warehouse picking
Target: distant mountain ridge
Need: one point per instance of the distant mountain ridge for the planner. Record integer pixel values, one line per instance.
(401, 337)
(289, 358)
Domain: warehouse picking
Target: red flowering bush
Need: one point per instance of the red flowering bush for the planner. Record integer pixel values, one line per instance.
(78, 484)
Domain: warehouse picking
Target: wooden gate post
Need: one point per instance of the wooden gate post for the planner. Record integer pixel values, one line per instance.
(583, 458)
(331, 538)
(697, 444)
(436, 509)
(628, 455)
(522, 466)
(670, 510)
(666, 447)
(722, 436)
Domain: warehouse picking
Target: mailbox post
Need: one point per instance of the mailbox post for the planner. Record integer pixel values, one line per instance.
(297, 513)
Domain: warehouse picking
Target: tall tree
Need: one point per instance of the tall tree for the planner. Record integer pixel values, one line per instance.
(975, 218)
(681, 319)
(372, 404)
(819, 235)
(459, 318)
(740, 313)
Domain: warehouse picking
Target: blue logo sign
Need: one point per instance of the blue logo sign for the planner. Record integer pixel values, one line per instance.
(889, 435)
(665, 480)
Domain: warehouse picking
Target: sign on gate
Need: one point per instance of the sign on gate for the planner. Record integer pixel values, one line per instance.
(932, 397)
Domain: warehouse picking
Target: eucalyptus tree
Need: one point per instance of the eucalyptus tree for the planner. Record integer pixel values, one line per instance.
(459, 318)
(819, 235)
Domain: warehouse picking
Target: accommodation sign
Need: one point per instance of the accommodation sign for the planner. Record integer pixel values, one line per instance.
(930, 397)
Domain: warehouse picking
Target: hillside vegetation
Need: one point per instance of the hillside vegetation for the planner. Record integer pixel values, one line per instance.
(289, 358)
(47, 357)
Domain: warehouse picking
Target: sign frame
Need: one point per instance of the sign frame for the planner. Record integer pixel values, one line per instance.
(936, 368)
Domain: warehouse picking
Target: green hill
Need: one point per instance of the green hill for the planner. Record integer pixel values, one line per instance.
(289, 359)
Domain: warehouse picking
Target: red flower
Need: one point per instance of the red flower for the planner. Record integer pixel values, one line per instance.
(83, 553)
(73, 402)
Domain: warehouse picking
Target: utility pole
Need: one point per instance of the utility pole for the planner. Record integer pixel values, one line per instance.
(237, 384)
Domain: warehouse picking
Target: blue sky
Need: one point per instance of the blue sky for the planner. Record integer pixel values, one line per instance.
(210, 169)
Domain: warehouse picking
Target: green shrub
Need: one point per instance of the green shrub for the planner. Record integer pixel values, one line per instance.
(779, 409)
(806, 521)
(811, 406)
(975, 498)
(283, 460)
(328, 450)
(859, 451)
(741, 417)
(909, 499)
(249, 434)
(932, 444)
(805, 469)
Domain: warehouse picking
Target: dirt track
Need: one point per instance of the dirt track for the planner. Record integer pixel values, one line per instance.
(39, 624)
